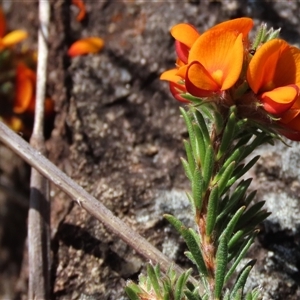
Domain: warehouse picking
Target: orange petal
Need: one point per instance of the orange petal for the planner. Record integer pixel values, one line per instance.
(240, 25)
(171, 75)
(85, 46)
(82, 10)
(263, 65)
(2, 23)
(221, 54)
(24, 90)
(289, 65)
(199, 82)
(280, 99)
(14, 37)
(185, 34)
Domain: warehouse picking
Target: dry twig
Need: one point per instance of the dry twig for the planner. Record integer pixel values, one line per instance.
(85, 200)
(39, 207)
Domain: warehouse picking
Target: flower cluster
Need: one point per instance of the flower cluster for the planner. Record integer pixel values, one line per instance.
(224, 67)
(18, 74)
(17, 80)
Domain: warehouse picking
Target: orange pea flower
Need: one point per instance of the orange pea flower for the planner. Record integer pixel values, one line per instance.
(209, 63)
(13, 37)
(274, 75)
(25, 89)
(86, 46)
(215, 63)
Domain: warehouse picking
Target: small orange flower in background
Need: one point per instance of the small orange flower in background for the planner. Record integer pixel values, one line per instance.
(12, 38)
(82, 11)
(217, 66)
(86, 46)
(18, 81)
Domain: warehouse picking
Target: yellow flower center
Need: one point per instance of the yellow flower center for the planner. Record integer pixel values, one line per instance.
(218, 76)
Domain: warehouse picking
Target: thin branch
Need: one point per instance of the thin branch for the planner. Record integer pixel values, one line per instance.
(85, 200)
(39, 208)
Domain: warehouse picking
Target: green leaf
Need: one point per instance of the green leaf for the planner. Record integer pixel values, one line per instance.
(273, 35)
(238, 295)
(205, 297)
(187, 169)
(235, 239)
(250, 213)
(235, 198)
(202, 125)
(180, 284)
(242, 253)
(259, 36)
(152, 274)
(243, 140)
(132, 293)
(249, 198)
(226, 295)
(190, 241)
(177, 224)
(190, 129)
(192, 296)
(241, 280)
(231, 225)
(208, 166)
(191, 200)
(249, 296)
(256, 294)
(191, 98)
(167, 288)
(260, 139)
(249, 165)
(240, 190)
(194, 248)
(196, 236)
(257, 219)
(190, 256)
(224, 176)
(197, 188)
(208, 110)
(200, 146)
(219, 121)
(212, 210)
(132, 290)
(189, 154)
(228, 133)
(235, 156)
(221, 264)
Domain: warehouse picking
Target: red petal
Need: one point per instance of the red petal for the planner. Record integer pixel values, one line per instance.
(279, 100)
(177, 89)
(182, 51)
